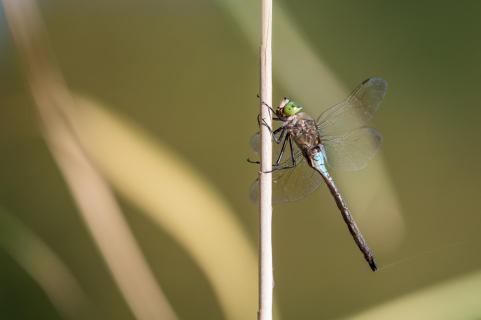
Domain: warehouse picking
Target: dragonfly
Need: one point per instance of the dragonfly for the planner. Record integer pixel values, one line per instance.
(307, 149)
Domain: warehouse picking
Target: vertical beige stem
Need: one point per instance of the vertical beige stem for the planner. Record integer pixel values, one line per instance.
(266, 282)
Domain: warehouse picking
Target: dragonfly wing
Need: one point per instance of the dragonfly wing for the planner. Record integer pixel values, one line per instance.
(356, 110)
(351, 151)
(255, 142)
(290, 184)
(296, 183)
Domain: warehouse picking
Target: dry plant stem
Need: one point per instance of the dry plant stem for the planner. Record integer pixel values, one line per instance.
(266, 281)
(92, 195)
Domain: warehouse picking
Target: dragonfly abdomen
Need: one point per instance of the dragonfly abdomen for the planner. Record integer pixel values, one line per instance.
(317, 162)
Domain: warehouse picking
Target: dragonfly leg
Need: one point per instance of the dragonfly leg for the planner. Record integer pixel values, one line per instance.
(264, 123)
(293, 159)
(277, 140)
(281, 153)
(268, 106)
(289, 166)
(271, 110)
(281, 129)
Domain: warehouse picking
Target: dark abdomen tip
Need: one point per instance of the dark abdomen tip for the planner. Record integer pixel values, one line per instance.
(372, 264)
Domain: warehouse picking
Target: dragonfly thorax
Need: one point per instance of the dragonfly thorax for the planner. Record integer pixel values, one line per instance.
(303, 129)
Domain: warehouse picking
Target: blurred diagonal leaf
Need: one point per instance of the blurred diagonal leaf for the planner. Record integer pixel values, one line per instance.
(453, 299)
(94, 199)
(45, 267)
(175, 196)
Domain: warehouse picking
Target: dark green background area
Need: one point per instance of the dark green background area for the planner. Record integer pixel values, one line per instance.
(184, 71)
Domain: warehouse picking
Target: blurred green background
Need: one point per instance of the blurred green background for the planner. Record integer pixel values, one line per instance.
(186, 73)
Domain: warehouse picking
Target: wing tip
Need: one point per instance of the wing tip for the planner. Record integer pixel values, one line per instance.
(376, 81)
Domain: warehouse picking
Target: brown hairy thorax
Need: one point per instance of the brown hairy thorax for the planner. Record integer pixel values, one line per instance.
(304, 131)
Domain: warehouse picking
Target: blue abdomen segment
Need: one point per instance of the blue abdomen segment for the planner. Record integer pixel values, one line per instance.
(319, 163)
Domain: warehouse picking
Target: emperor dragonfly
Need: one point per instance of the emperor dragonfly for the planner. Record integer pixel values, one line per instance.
(338, 139)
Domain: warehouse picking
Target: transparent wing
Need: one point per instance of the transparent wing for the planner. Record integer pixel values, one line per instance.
(351, 151)
(255, 143)
(290, 184)
(296, 183)
(356, 110)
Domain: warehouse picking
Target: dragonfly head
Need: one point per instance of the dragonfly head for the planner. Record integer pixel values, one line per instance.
(288, 108)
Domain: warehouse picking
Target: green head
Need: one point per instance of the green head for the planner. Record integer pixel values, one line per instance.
(289, 107)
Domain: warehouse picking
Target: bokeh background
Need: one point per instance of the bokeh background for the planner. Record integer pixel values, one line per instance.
(163, 106)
